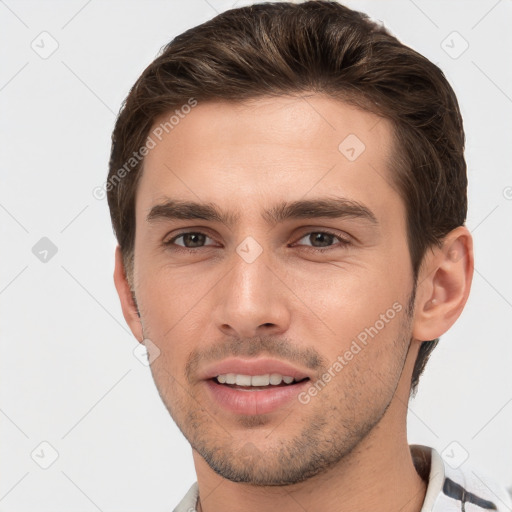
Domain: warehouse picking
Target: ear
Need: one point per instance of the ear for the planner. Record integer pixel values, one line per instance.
(130, 311)
(444, 282)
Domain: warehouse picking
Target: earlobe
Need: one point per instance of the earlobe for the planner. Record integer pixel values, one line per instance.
(444, 283)
(128, 305)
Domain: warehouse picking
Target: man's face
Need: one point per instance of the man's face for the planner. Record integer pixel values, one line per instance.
(310, 292)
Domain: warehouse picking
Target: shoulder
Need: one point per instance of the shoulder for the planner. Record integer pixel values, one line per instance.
(474, 488)
(460, 489)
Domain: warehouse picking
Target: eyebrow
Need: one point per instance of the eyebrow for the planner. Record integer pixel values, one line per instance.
(334, 208)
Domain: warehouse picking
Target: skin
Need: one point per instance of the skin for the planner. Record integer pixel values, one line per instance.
(347, 448)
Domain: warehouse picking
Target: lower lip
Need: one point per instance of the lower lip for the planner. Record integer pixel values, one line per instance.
(253, 402)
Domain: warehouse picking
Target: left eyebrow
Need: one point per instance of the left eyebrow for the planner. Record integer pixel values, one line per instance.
(333, 208)
(302, 209)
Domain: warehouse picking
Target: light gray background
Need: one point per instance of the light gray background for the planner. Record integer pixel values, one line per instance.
(69, 375)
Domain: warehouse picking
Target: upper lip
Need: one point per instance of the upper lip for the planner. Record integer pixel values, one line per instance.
(260, 366)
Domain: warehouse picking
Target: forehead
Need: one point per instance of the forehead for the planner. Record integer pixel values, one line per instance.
(284, 148)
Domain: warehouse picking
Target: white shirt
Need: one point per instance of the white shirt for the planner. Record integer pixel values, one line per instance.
(448, 489)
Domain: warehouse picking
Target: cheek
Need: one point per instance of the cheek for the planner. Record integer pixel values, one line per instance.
(347, 299)
(172, 312)
(168, 292)
(365, 345)
(364, 368)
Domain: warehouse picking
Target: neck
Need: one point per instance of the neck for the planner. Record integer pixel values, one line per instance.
(375, 475)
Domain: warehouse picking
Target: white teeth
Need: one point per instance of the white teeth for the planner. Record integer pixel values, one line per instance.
(276, 379)
(273, 379)
(243, 380)
(260, 380)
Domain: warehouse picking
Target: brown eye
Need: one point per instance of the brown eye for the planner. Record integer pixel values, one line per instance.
(189, 240)
(322, 239)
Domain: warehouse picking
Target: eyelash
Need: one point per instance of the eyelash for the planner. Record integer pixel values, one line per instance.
(343, 241)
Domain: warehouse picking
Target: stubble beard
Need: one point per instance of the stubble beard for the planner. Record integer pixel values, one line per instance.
(320, 445)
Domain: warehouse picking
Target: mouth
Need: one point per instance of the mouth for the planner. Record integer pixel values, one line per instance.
(256, 382)
(253, 387)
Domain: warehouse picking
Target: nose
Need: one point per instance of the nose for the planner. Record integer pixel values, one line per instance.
(252, 300)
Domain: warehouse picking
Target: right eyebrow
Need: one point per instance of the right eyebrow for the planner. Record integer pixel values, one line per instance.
(189, 210)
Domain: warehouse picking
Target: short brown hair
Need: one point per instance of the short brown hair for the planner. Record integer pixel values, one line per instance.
(273, 49)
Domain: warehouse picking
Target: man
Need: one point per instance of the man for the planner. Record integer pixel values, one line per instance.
(288, 188)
